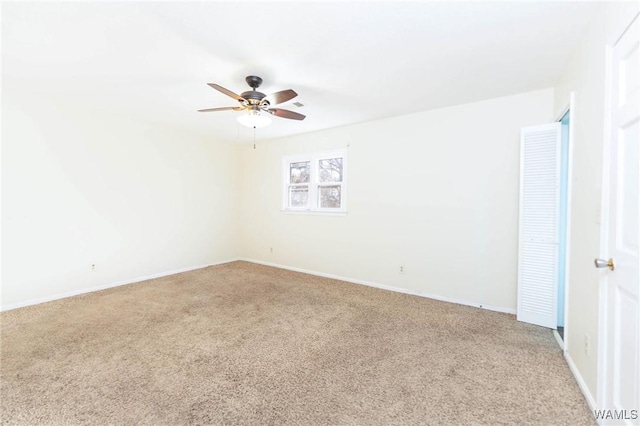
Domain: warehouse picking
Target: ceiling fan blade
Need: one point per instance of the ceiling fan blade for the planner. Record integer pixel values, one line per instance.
(221, 109)
(281, 96)
(285, 113)
(226, 92)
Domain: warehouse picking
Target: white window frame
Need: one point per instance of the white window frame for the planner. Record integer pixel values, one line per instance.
(314, 184)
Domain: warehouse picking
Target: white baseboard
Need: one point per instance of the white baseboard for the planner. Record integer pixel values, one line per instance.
(384, 287)
(581, 383)
(558, 339)
(275, 265)
(106, 286)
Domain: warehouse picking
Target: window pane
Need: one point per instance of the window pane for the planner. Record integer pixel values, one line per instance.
(299, 172)
(330, 170)
(330, 197)
(298, 196)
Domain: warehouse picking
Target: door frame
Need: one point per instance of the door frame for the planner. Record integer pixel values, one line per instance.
(620, 27)
(570, 108)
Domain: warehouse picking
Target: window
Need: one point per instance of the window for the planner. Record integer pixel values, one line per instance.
(315, 182)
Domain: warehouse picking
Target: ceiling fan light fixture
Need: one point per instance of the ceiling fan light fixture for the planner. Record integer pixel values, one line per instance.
(254, 119)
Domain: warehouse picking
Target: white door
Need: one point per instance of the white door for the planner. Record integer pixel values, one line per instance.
(620, 374)
(539, 223)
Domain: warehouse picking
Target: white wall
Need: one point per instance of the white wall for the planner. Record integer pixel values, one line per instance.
(435, 191)
(585, 74)
(82, 187)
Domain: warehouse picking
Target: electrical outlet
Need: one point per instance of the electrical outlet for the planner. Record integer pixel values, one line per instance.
(587, 345)
(401, 270)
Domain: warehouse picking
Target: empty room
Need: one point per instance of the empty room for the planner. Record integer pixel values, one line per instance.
(320, 213)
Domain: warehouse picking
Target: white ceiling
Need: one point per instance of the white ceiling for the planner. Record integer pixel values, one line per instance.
(349, 61)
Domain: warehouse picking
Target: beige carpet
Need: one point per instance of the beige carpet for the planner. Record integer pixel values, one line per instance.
(248, 344)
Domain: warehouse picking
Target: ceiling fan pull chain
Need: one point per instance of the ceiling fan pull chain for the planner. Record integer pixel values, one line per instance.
(254, 137)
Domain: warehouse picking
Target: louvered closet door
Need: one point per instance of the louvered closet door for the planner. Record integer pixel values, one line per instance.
(539, 222)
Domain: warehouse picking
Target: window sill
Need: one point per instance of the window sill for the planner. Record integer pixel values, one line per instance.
(313, 212)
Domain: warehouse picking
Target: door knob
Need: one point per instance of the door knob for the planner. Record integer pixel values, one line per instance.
(601, 263)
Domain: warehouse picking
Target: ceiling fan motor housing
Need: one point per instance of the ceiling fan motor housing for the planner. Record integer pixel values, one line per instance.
(253, 96)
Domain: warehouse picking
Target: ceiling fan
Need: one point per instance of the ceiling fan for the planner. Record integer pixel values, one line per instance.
(255, 102)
